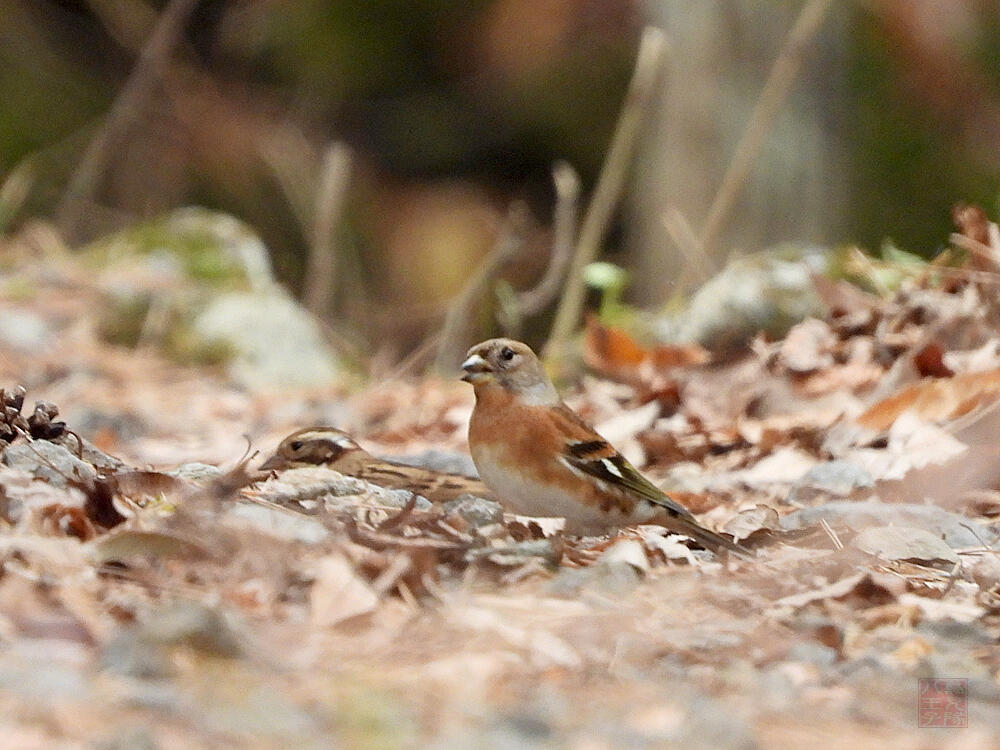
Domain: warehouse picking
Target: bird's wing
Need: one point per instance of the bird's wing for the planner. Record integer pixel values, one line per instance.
(587, 452)
(436, 486)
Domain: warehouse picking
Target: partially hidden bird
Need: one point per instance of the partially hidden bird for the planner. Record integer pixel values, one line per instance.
(543, 459)
(335, 449)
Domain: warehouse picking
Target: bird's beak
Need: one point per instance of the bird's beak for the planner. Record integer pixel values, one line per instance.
(477, 370)
(274, 463)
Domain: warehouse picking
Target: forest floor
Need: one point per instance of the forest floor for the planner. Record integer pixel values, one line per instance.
(857, 457)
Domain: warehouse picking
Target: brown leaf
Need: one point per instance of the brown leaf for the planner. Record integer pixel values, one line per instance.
(339, 593)
(808, 347)
(935, 400)
(971, 221)
(613, 352)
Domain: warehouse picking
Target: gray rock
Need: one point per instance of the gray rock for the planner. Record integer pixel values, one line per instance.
(273, 340)
(952, 528)
(812, 653)
(839, 478)
(953, 663)
(617, 578)
(231, 236)
(196, 472)
(131, 738)
(476, 511)
(143, 650)
(904, 543)
(769, 291)
(45, 460)
(86, 421)
(44, 670)
(193, 624)
(190, 243)
(24, 331)
(89, 452)
(967, 634)
(519, 553)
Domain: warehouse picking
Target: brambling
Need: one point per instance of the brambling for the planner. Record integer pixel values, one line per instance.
(335, 449)
(543, 459)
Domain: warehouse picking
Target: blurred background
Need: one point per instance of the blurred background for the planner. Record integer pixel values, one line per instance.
(113, 112)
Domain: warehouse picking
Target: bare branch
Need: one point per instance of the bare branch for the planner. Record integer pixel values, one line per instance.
(607, 193)
(321, 267)
(508, 245)
(512, 306)
(772, 97)
(127, 109)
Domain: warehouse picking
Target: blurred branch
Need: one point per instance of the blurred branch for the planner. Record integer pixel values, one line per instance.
(696, 261)
(648, 65)
(291, 157)
(321, 267)
(128, 22)
(772, 97)
(513, 306)
(14, 192)
(127, 109)
(508, 245)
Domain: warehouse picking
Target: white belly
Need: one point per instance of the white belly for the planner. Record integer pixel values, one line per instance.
(526, 497)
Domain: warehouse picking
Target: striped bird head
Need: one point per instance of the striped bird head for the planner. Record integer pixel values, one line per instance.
(313, 446)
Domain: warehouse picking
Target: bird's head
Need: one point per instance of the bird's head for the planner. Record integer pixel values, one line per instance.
(511, 365)
(317, 446)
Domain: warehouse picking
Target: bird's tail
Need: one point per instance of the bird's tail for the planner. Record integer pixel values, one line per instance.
(707, 538)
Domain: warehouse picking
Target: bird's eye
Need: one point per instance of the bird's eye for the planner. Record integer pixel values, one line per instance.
(506, 354)
(296, 445)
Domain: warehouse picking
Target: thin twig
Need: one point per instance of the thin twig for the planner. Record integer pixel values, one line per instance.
(567, 185)
(127, 109)
(648, 66)
(512, 307)
(508, 245)
(321, 267)
(772, 97)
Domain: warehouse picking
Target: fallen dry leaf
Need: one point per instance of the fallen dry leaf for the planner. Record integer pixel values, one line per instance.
(935, 400)
(338, 593)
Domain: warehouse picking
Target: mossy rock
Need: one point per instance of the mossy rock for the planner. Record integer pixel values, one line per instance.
(195, 243)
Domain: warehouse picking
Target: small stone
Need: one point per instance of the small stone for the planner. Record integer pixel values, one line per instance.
(48, 461)
(24, 331)
(476, 511)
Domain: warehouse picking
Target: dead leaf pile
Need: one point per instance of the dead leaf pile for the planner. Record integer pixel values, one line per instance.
(151, 599)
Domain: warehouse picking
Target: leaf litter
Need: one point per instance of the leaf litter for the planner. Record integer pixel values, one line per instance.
(212, 607)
